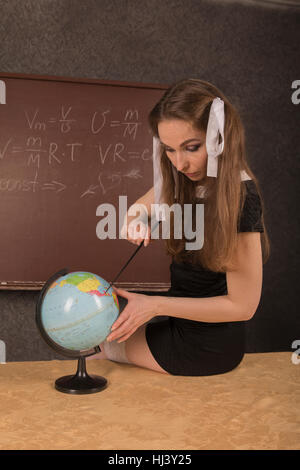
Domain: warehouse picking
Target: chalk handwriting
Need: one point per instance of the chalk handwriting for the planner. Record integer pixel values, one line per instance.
(65, 123)
(33, 124)
(93, 128)
(134, 173)
(108, 182)
(90, 190)
(15, 185)
(42, 149)
(2, 151)
(115, 181)
(52, 155)
(116, 153)
(130, 128)
(73, 146)
(54, 186)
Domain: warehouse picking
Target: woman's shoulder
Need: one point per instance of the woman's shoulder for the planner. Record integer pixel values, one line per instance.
(252, 193)
(251, 214)
(250, 186)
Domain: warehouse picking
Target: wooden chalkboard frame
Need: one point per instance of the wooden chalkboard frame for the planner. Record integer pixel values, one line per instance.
(83, 80)
(35, 284)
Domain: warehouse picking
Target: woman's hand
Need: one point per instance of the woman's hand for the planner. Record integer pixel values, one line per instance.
(136, 229)
(139, 310)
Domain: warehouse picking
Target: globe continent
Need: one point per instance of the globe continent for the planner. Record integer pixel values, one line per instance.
(76, 313)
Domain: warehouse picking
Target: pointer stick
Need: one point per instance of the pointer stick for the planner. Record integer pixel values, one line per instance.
(132, 256)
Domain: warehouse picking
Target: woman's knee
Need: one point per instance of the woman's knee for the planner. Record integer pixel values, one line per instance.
(138, 351)
(115, 351)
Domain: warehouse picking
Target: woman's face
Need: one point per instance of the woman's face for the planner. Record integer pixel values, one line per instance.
(185, 147)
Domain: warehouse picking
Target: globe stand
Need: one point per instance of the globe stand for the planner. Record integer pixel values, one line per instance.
(81, 382)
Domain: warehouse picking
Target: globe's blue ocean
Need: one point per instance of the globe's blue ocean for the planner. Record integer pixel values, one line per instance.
(76, 313)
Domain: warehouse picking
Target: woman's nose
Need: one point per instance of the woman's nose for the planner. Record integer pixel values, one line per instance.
(181, 163)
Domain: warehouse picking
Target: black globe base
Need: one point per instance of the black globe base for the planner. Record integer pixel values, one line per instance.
(81, 383)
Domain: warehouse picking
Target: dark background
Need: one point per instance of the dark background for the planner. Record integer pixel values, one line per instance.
(249, 49)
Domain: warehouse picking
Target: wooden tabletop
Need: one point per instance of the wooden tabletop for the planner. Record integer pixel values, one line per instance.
(255, 406)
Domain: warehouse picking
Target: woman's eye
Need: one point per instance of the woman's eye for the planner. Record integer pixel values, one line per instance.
(194, 148)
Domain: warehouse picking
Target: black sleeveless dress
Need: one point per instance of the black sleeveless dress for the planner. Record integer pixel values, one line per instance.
(194, 348)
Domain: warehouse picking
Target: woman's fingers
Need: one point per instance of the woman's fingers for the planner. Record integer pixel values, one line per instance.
(148, 236)
(136, 231)
(121, 330)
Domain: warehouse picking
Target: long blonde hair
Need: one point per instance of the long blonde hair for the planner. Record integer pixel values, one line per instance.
(190, 100)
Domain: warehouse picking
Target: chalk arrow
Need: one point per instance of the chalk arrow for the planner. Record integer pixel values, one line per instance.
(55, 186)
(134, 174)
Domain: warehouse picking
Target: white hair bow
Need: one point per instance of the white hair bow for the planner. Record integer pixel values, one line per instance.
(215, 127)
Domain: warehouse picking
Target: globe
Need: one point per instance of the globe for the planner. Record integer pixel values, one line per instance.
(74, 314)
(77, 313)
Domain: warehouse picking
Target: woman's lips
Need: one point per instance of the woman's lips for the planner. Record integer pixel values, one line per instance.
(192, 174)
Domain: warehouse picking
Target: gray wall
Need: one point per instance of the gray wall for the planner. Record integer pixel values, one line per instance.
(248, 49)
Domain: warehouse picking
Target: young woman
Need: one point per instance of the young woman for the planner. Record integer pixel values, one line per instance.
(199, 153)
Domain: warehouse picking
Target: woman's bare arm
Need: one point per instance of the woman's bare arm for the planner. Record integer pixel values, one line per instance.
(244, 286)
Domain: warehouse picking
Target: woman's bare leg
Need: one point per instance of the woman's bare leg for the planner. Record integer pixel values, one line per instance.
(136, 349)
(138, 352)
